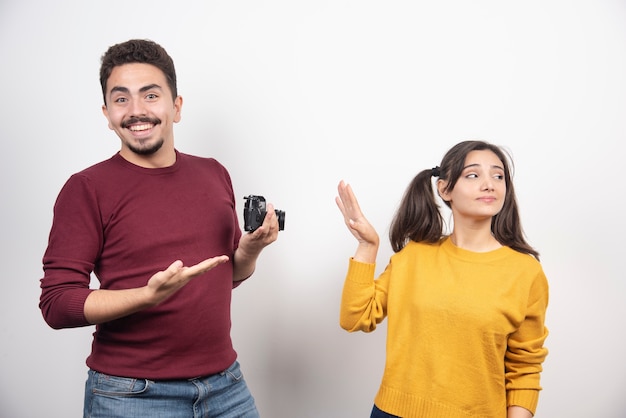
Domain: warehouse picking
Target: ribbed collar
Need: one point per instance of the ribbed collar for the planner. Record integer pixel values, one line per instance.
(448, 246)
(117, 158)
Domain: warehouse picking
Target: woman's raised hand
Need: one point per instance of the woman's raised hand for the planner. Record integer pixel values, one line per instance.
(357, 224)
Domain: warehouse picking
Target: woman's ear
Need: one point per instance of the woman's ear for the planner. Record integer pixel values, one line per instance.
(441, 189)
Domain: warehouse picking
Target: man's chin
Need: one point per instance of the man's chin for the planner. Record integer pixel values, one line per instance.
(147, 149)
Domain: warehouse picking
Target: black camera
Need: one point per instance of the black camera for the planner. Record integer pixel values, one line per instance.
(254, 213)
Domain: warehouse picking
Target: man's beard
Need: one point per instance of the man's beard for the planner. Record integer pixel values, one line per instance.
(148, 150)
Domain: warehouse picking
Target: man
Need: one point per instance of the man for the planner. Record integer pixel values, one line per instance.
(160, 231)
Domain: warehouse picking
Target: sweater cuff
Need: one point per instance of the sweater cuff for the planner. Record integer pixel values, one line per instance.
(526, 398)
(359, 272)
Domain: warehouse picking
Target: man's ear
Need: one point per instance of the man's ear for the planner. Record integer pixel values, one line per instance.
(105, 112)
(178, 105)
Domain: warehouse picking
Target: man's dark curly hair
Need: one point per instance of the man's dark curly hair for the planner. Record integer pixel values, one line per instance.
(137, 51)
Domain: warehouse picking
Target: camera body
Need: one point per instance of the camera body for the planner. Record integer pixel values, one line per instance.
(254, 213)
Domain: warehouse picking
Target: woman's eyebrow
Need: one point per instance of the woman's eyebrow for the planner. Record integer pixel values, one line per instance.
(476, 165)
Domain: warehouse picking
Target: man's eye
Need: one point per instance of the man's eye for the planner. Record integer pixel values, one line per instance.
(151, 96)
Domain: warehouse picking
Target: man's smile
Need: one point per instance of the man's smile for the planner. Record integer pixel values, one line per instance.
(143, 127)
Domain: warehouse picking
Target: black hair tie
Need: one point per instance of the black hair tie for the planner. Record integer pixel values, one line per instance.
(435, 172)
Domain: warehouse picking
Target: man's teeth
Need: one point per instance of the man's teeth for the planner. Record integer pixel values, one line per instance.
(140, 127)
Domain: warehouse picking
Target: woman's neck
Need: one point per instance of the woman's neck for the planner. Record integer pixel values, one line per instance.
(479, 241)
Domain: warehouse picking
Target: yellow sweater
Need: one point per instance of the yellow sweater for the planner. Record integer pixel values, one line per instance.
(465, 330)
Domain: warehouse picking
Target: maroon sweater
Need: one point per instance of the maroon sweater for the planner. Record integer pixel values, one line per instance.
(124, 223)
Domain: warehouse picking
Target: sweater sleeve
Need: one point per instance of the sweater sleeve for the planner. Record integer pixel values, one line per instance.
(74, 243)
(526, 352)
(364, 300)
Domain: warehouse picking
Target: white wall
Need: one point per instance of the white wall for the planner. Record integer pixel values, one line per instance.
(293, 96)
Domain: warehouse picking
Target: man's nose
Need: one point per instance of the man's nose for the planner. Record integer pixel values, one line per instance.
(138, 108)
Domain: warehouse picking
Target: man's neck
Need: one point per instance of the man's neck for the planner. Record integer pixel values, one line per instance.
(160, 159)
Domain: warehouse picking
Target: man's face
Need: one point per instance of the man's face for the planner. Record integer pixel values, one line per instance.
(141, 111)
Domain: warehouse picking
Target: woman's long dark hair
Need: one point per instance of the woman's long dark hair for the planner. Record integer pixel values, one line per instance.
(419, 218)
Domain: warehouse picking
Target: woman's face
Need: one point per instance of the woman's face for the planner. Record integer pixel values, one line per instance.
(480, 191)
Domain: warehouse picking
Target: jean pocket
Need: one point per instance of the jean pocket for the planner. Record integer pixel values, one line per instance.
(234, 372)
(104, 384)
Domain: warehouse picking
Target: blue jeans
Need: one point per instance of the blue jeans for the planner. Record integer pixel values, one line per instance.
(223, 395)
(377, 413)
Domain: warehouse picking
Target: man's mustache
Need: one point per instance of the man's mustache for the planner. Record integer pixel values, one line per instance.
(132, 121)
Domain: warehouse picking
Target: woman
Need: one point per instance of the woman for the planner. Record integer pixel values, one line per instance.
(465, 311)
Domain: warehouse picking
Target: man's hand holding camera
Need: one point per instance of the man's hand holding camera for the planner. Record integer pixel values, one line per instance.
(252, 243)
(264, 235)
